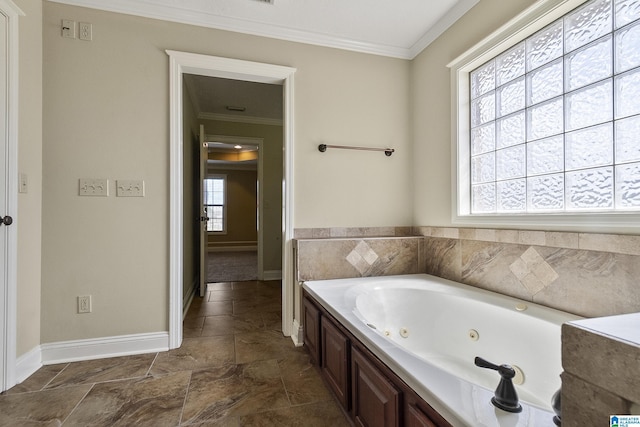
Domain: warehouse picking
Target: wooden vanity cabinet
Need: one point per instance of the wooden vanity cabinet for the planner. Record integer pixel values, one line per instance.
(376, 400)
(415, 416)
(311, 329)
(371, 394)
(334, 350)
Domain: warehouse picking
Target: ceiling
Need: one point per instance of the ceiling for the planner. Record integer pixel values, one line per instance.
(395, 28)
(220, 99)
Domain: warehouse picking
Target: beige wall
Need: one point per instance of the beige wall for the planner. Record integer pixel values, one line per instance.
(30, 163)
(241, 207)
(106, 116)
(431, 106)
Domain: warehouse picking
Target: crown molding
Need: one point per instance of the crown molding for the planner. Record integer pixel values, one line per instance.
(240, 119)
(175, 13)
(441, 26)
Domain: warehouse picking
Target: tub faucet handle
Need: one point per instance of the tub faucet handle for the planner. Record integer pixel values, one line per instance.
(504, 370)
(505, 396)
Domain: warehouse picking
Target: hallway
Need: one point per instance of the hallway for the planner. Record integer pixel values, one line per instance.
(234, 369)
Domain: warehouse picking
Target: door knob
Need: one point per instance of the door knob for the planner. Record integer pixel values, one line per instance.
(7, 220)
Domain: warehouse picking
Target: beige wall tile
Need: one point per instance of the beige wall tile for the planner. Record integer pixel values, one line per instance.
(528, 237)
(486, 234)
(508, 236)
(615, 243)
(562, 240)
(584, 404)
(467, 234)
(442, 258)
(609, 363)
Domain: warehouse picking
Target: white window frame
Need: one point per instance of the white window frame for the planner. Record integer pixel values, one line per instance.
(531, 20)
(223, 177)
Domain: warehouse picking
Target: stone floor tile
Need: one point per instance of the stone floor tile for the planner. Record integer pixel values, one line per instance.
(302, 379)
(319, 414)
(196, 353)
(38, 380)
(214, 308)
(226, 325)
(149, 401)
(261, 345)
(93, 371)
(234, 390)
(41, 408)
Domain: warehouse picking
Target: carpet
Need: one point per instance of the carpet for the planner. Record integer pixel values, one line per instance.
(232, 266)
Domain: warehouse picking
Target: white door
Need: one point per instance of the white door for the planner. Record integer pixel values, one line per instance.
(204, 152)
(8, 194)
(3, 199)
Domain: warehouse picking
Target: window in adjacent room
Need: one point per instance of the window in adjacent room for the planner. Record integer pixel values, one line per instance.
(215, 188)
(554, 119)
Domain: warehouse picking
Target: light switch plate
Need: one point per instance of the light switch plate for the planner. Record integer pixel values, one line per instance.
(129, 188)
(68, 29)
(94, 187)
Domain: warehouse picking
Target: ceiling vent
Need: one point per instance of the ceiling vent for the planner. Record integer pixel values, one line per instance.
(266, 1)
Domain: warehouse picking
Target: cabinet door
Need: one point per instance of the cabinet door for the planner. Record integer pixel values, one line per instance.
(311, 329)
(417, 418)
(334, 358)
(376, 401)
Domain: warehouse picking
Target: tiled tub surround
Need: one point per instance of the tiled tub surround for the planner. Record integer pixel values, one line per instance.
(601, 361)
(335, 258)
(582, 273)
(590, 275)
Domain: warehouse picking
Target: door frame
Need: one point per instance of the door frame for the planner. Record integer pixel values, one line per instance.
(181, 63)
(8, 283)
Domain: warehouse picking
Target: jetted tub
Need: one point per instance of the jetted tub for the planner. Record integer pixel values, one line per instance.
(428, 330)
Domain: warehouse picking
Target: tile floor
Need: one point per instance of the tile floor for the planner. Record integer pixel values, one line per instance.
(234, 369)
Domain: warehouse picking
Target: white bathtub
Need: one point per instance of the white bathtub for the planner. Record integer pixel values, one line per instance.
(429, 330)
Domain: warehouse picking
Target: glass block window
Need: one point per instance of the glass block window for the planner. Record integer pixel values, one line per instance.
(555, 119)
(215, 202)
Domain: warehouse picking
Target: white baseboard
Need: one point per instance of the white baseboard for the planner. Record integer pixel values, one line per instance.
(232, 248)
(272, 275)
(28, 364)
(195, 288)
(100, 348)
(297, 333)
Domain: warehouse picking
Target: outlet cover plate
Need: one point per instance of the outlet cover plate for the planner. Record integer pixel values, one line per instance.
(84, 304)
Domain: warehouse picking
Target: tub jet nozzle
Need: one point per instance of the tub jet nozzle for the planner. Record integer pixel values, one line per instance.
(505, 397)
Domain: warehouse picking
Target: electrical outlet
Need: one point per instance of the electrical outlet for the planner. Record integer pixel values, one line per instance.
(85, 31)
(84, 304)
(94, 187)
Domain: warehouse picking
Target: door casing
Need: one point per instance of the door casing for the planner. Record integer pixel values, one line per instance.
(181, 63)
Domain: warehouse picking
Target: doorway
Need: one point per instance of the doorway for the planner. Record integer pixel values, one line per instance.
(249, 179)
(181, 63)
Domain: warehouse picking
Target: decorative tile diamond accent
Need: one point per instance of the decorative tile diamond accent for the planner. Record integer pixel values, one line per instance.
(362, 257)
(533, 271)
